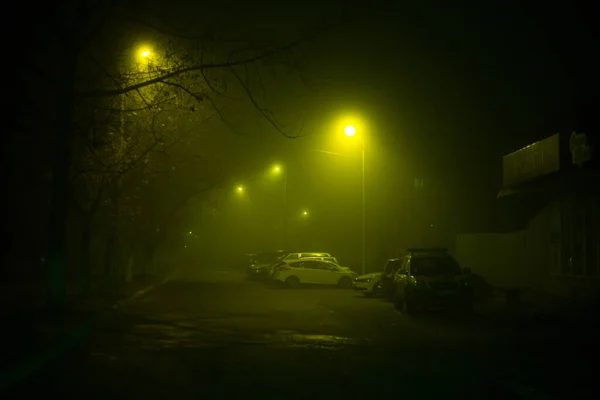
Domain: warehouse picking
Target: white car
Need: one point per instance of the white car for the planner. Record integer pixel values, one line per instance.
(324, 258)
(379, 282)
(295, 272)
(296, 256)
(368, 284)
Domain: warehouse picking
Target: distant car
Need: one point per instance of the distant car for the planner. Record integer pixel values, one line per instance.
(262, 263)
(295, 272)
(431, 278)
(331, 259)
(306, 256)
(378, 282)
(296, 256)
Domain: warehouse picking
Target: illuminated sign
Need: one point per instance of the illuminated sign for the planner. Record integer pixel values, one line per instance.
(531, 162)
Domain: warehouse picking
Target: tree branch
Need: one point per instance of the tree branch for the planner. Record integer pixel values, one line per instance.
(264, 112)
(200, 67)
(135, 162)
(132, 110)
(199, 97)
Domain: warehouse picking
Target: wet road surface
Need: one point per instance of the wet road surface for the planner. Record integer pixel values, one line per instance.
(224, 336)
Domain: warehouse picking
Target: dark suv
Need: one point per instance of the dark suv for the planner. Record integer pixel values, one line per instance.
(429, 279)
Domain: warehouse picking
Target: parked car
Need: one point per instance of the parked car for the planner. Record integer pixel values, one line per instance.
(296, 256)
(431, 278)
(262, 263)
(306, 256)
(295, 272)
(378, 282)
(325, 258)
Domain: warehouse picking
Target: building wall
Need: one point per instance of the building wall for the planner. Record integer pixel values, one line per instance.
(547, 256)
(497, 257)
(542, 245)
(514, 259)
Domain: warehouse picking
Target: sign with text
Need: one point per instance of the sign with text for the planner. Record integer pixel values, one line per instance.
(536, 160)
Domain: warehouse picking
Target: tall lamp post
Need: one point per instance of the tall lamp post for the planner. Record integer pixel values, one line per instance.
(350, 131)
(278, 169)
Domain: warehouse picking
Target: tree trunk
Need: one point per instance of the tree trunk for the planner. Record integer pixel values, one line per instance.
(109, 250)
(148, 257)
(59, 206)
(85, 267)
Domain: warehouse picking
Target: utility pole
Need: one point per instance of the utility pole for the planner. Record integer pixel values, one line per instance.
(285, 211)
(364, 214)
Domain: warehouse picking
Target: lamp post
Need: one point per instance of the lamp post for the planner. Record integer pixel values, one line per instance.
(350, 131)
(278, 169)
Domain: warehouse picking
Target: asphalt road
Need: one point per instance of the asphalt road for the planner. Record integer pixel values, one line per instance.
(222, 336)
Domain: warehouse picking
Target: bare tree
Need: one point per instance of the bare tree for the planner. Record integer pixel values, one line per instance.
(82, 56)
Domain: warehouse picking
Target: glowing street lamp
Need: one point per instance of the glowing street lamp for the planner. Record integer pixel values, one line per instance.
(144, 57)
(305, 213)
(239, 189)
(350, 131)
(143, 51)
(277, 169)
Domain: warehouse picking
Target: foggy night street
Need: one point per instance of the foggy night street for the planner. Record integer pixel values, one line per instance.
(222, 335)
(343, 199)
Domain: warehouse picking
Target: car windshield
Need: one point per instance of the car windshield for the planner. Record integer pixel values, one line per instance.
(428, 266)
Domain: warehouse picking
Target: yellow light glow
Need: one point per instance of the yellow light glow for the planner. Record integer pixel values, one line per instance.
(240, 189)
(346, 132)
(305, 213)
(350, 130)
(145, 53)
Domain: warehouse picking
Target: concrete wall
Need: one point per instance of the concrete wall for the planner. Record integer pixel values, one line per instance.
(497, 257)
(542, 252)
(530, 259)
(523, 258)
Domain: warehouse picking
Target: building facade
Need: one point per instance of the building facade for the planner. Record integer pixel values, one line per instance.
(551, 238)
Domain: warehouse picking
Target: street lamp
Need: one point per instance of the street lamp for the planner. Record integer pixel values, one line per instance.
(277, 169)
(305, 213)
(239, 189)
(144, 51)
(350, 131)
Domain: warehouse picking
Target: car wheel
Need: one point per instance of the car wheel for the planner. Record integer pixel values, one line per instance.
(376, 288)
(410, 308)
(345, 282)
(398, 302)
(405, 305)
(390, 293)
(292, 282)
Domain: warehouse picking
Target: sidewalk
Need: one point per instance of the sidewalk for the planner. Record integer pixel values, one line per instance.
(30, 330)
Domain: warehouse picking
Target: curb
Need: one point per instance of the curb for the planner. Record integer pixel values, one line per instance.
(26, 368)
